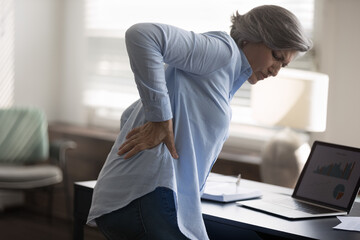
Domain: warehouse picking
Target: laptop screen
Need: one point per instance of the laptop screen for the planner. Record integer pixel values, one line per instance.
(331, 176)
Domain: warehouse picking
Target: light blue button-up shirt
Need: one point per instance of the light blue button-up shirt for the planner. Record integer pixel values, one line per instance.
(203, 73)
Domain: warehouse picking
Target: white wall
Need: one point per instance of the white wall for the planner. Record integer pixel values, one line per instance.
(48, 55)
(46, 62)
(37, 54)
(339, 56)
(72, 64)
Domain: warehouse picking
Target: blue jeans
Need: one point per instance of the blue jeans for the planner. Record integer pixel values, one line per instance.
(152, 216)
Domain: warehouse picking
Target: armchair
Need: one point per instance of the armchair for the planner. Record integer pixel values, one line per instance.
(27, 159)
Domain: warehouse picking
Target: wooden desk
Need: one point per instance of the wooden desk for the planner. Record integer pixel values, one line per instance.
(228, 221)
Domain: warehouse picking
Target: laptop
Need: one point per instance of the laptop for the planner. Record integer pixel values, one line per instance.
(327, 185)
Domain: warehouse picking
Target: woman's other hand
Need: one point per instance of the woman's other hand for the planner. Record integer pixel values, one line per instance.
(148, 136)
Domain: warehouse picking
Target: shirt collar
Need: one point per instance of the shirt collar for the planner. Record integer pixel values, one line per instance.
(245, 73)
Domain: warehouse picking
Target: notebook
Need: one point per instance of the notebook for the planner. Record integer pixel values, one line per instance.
(223, 188)
(327, 185)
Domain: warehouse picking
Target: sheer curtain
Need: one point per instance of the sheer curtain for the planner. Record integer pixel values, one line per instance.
(108, 82)
(7, 53)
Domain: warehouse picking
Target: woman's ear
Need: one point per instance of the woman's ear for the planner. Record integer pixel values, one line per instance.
(243, 44)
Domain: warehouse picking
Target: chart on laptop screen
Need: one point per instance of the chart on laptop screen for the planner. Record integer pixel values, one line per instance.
(340, 170)
(331, 175)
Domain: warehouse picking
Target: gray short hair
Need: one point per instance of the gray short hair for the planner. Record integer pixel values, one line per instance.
(276, 27)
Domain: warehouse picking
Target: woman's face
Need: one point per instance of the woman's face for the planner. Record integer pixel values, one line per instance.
(264, 61)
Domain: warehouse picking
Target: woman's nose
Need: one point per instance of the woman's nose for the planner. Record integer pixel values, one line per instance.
(275, 69)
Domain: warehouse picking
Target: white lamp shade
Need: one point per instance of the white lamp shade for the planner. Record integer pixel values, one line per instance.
(294, 98)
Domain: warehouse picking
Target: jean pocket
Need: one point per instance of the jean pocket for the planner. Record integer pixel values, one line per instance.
(124, 223)
(167, 199)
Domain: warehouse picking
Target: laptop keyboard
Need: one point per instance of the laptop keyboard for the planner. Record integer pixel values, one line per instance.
(300, 206)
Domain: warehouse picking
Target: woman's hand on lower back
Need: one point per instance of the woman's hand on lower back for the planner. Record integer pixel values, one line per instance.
(148, 136)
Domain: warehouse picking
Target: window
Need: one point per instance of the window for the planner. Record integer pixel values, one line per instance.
(7, 53)
(109, 85)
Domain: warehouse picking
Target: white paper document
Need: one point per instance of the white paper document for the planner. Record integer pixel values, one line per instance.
(348, 223)
(227, 189)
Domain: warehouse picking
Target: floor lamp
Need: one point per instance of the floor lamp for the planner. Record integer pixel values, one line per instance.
(296, 102)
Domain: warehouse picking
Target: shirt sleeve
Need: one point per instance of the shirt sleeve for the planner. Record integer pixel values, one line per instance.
(151, 45)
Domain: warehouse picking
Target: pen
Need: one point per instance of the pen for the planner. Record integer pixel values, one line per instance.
(238, 180)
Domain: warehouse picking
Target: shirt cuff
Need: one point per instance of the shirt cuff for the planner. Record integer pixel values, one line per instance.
(158, 111)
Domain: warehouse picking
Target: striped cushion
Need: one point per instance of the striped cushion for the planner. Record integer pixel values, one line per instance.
(23, 135)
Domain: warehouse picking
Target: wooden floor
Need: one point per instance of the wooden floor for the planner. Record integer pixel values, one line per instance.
(21, 224)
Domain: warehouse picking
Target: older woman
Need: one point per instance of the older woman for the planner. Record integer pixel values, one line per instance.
(152, 180)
